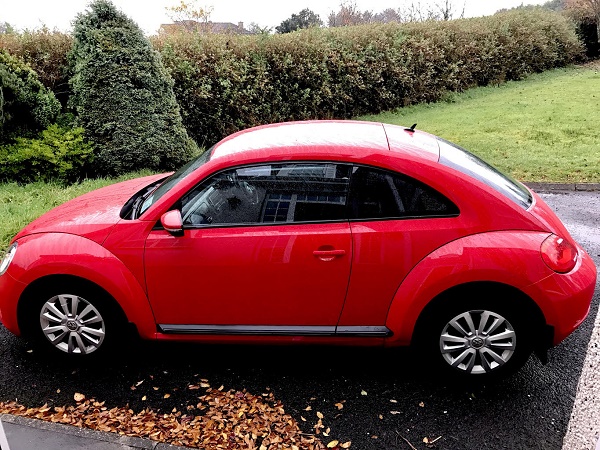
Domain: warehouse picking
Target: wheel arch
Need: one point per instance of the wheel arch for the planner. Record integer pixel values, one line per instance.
(501, 294)
(52, 283)
(501, 260)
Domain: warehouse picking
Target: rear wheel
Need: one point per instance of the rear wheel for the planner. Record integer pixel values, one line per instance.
(478, 342)
(474, 339)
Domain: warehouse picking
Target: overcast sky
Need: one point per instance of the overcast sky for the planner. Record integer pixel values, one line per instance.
(149, 14)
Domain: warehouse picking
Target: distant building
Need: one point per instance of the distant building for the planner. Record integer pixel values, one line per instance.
(203, 27)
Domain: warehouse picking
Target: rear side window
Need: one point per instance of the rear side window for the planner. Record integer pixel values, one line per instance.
(380, 194)
(458, 158)
(273, 193)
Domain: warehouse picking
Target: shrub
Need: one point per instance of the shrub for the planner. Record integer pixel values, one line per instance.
(46, 52)
(227, 83)
(58, 153)
(26, 106)
(123, 95)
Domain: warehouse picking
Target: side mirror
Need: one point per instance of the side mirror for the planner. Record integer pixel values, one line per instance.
(172, 222)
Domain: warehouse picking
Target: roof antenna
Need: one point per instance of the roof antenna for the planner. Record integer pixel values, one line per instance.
(412, 129)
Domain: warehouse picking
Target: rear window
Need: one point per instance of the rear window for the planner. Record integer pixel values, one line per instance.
(458, 158)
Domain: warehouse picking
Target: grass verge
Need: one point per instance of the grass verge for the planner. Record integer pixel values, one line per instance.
(544, 128)
(20, 204)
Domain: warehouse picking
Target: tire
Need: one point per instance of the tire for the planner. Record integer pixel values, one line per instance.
(77, 321)
(474, 340)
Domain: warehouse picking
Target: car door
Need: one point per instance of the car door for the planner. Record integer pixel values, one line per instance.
(395, 220)
(265, 250)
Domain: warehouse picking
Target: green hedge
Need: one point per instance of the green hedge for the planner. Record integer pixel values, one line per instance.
(26, 106)
(227, 83)
(46, 52)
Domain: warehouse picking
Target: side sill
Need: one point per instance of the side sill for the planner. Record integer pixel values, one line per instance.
(274, 330)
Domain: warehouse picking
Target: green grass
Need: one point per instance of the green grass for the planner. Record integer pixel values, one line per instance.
(20, 204)
(544, 128)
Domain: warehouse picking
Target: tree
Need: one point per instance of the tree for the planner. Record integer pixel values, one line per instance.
(585, 11)
(445, 10)
(349, 14)
(304, 19)
(26, 106)
(123, 95)
(190, 16)
(6, 28)
(388, 15)
(255, 28)
(554, 5)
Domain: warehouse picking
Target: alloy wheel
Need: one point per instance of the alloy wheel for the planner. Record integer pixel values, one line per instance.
(72, 324)
(478, 342)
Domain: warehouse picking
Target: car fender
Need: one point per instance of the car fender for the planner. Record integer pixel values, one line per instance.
(47, 254)
(508, 257)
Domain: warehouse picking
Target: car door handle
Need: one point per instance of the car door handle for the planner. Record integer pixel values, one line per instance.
(328, 255)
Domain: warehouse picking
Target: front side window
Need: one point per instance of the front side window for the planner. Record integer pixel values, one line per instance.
(272, 193)
(381, 194)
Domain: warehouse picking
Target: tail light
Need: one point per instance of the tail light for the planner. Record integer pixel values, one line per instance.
(559, 254)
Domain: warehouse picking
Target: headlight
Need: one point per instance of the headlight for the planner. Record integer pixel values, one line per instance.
(8, 257)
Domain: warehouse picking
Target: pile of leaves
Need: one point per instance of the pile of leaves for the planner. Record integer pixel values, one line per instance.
(221, 420)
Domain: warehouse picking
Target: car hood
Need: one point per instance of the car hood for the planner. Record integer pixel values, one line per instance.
(91, 215)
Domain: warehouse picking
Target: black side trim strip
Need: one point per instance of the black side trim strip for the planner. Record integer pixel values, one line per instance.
(261, 330)
(275, 330)
(364, 331)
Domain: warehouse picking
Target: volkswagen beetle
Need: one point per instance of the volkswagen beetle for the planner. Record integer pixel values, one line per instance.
(322, 232)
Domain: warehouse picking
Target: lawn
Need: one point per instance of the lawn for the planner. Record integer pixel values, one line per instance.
(544, 128)
(19, 205)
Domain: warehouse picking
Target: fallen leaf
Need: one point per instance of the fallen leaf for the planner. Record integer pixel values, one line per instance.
(380, 417)
(363, 392)
(333, 444)
(303, 419)
(308, 408)
(79, 397)
(422, 405)
(319, 415)
(395, 412)
(349, 443)
(339, 405)
(144, 398)
(166, 395)
(139, 382)
(58, 391)
(394, 401)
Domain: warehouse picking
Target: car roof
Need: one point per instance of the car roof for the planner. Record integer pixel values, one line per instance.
(328, 136)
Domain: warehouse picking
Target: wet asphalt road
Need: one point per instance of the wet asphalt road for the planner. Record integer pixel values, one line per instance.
(529, 410)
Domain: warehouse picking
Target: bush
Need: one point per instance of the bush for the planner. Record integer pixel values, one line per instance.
(227, 83)
(123, 95)
(46, 52)
(26, 106)
(59, 153)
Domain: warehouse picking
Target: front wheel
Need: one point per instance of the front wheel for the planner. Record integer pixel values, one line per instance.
(73, 325)
(75, 320)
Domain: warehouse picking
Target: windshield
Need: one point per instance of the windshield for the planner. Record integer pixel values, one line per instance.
(173, 180)
(458, 158)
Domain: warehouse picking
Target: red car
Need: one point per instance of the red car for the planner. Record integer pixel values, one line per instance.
(329, 232)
